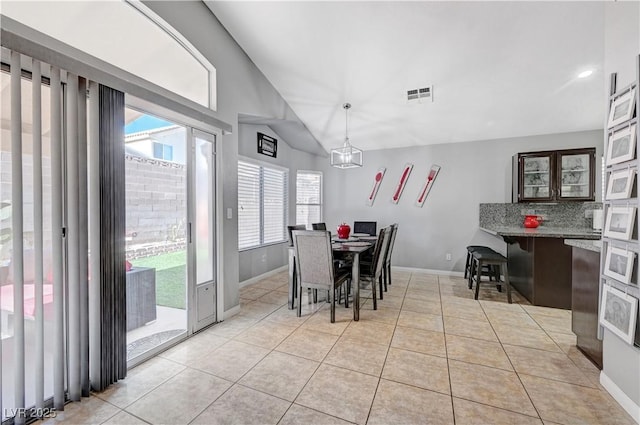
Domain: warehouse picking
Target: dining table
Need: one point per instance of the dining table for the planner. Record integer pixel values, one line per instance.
(351, 247)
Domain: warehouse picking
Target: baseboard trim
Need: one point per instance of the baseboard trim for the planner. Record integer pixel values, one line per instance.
(429, 271)
(618, 395)
(231, 312)
(263, 276)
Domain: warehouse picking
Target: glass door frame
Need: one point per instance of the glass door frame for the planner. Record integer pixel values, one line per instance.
(192, 275)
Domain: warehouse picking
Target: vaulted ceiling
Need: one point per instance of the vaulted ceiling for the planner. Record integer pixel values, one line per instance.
(498, 69)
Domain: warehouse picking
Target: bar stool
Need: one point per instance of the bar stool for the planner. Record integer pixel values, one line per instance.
(496, 261)
(469, 265)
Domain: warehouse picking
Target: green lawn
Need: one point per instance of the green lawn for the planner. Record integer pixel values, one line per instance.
(170, 277)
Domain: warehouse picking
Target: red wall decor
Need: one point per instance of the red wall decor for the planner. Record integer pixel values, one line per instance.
(376, 184)
(426, 187)
(403, 181)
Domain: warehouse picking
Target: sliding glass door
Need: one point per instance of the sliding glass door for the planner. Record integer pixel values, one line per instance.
(156, 225)
(170, 232)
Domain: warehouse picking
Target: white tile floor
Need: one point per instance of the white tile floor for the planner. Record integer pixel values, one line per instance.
(430, 354)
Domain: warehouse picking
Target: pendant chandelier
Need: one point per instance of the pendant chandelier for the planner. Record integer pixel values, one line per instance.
(346, 156)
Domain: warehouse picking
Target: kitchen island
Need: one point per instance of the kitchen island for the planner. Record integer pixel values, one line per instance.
(539, 261)
(586, 296)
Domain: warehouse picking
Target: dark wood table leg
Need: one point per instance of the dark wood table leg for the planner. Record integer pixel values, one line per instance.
(355, 281)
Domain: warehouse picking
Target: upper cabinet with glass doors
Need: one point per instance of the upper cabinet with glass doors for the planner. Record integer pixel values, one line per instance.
(551, 176)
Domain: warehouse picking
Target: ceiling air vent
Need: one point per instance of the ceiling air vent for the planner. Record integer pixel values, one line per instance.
(416, 95)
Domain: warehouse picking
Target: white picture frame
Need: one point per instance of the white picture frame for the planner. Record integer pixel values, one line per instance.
(620, 184)
(621, 146)
(619, 222)
(618, 264)
(622, 108)
(619, 313)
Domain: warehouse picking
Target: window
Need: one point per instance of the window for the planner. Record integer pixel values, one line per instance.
(308, 197)
(107, 29)
(262, 205)
(162, 151)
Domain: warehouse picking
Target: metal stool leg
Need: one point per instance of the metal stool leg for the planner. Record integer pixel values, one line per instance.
(478, 265)
(467, 264)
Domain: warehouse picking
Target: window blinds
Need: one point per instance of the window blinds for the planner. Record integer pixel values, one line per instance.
(308, 197)
(248, 205)
(262, 205)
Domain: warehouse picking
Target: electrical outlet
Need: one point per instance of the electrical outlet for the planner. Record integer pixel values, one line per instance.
(448, 256)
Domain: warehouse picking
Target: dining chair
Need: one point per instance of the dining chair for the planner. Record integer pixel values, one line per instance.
(315, 266)
(372, 272)
(292, 269)
(290, 230)
(368, 227)
(387, 257)
(319, 226)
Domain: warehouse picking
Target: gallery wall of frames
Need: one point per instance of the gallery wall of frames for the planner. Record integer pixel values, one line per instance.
(619, 263)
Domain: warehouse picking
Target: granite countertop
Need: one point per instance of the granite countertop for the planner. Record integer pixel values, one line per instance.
(544, 232)
(590, 245)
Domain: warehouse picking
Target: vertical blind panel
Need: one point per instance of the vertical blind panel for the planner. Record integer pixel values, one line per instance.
(112, 229)
(95, 306)
(17, 235)
(57, 241)
(38, 241)
(83, 242)
(73, 237)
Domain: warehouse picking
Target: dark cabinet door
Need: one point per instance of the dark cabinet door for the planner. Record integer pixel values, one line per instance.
(576, 176)
(536, 175)
(551, 176)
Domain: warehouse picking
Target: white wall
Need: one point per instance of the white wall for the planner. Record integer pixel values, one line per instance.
(242, 88)
(255, 262)
(471, 173)
(621, 361)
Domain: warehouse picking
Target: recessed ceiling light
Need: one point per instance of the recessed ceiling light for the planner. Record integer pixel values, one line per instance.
(585, 74)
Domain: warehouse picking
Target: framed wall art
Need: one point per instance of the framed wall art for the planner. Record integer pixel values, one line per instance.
(622, 108)
(377, 180)
(619, 222)
(620, 184)
(406, 170)
(618, 313)
(267, 145)
(426, 186)
(619, 263)
(621, 146)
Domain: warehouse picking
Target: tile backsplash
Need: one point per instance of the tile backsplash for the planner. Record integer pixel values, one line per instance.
(562, 214)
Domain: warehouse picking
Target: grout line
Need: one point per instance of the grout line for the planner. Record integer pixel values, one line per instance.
(446, 352)
(515, 370)
(496, 407)
(375, 393)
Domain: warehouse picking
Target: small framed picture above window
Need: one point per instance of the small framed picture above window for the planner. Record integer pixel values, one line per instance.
(622, 108)
(620, 184)
(267, 145)
(622, 145)
(618, 313)
(620, 222)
